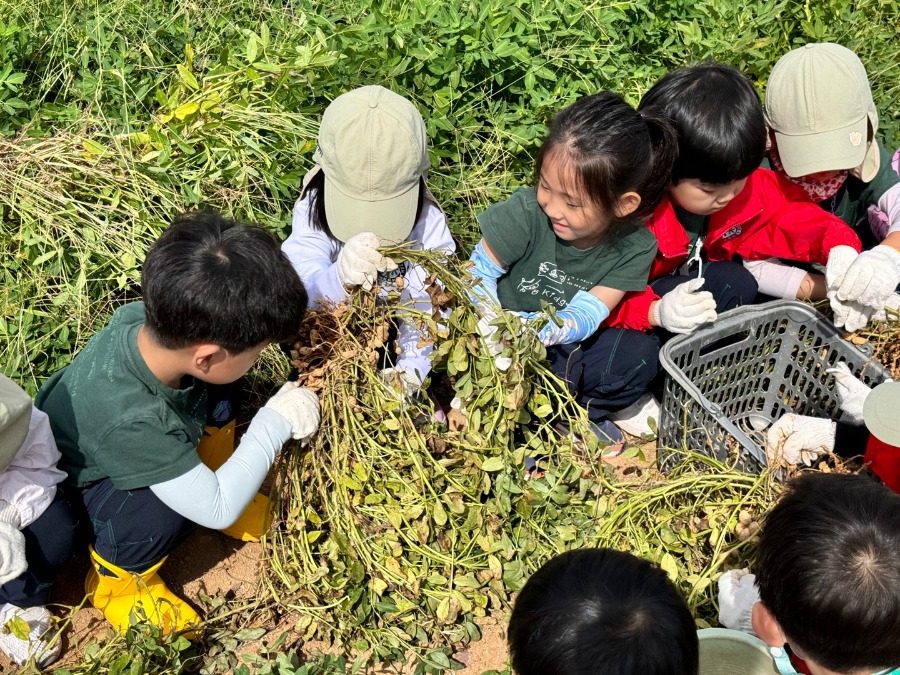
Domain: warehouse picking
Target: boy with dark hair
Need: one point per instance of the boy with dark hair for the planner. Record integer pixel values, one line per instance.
(129, 411)
(601, 612)
(828, 577)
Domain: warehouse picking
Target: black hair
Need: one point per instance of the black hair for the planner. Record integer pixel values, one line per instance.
(612, 149)
(316, 191)
(828, 570)
(719, 120)
(601, 612)
(211, 279)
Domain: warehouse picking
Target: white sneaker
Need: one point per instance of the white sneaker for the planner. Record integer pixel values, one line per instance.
(634, 419)
(37, 644)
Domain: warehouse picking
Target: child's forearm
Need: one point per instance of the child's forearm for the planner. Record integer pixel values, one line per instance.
(812, 287)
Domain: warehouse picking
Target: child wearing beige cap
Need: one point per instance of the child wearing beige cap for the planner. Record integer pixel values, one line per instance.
(823, 126)
(37, 528)
(367, 189)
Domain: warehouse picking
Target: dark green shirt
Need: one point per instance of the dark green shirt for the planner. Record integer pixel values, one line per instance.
(112, 418)
(544, 267)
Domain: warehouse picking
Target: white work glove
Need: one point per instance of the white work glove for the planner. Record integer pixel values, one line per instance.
(400, 382)
(798, 439)
(300, 407)
(850, 391)
(839, 260)
(891, 309)
(491, 337)
(686, 308)
(12, 544)
(871, 278)
(737, 595)
(359, 261)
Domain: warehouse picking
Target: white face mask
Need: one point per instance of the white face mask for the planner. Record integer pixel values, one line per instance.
(785, 667)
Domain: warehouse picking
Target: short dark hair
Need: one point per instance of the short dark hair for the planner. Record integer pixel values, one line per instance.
(211, 279)
(828, 570)
(613, 150)
(601, 612)
(719, 120)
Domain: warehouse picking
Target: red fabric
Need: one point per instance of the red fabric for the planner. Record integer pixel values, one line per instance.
(884, 461)
(770, 218)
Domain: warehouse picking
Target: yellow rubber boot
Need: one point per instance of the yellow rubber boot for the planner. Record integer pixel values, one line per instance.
(216, 446)
(119, 596)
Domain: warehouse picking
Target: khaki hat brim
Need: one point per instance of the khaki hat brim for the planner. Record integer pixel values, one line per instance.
(391, 219)
(826, 151)
(733, 652)
(15, 419)
(881, 413)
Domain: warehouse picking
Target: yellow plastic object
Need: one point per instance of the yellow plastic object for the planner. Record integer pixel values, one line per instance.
(216, 445)
(118, 596)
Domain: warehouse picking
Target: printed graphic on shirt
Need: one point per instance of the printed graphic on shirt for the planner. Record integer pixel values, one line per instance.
(551, 284)
(388, 280)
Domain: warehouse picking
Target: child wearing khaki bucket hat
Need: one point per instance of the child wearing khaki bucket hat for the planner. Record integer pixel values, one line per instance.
(37, 528)
(823, 125)
(367, 189)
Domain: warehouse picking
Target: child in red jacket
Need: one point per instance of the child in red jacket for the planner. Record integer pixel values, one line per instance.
(721, 208)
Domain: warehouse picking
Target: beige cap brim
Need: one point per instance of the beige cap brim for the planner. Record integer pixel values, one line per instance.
(391, 219)
(826, 151)
(881, 413)
(732, 652)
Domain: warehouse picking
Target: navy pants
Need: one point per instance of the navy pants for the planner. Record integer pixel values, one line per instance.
(730, 284)
(608, 371)
(133, 529)
(49, 541)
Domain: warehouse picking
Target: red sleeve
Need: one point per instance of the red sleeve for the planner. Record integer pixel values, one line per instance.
(884, 461)
(779, 222)
(632, 311)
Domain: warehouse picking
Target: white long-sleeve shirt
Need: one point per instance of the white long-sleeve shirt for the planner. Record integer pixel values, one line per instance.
(29, 482)
(314, 255)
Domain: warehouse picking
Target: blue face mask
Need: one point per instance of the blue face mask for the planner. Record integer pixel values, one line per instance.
(783, 663)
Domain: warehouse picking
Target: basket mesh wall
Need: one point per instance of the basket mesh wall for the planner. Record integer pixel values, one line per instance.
(727, 383)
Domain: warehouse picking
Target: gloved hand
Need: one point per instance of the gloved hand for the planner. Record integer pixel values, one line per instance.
(686, 308)
(855, 316)
(581, 318)
(737, 595)
(300, 407)
(799, 439)
(871, 278)
(851, 392)
(399, 381)
(359, 261)
(839, 260)
(492, 335)
(891, 308)
(12, 544)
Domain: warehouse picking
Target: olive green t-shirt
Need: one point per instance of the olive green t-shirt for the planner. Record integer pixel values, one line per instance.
(544, 267)
(112, 418)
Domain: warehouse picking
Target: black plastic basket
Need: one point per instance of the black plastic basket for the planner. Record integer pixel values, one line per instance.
(727, 383)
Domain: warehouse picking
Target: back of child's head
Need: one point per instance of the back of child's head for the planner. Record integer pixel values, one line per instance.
(719, 120)
(601, 612)
(828, 571)
(209, 279)
(373, 151)
(610, 149)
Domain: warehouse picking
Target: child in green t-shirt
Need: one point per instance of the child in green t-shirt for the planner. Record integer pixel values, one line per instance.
(128, 413)
(577, 241)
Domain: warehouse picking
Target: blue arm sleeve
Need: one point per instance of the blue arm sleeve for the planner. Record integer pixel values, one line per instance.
(489, 272)
(216, 499)
(581, 319)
